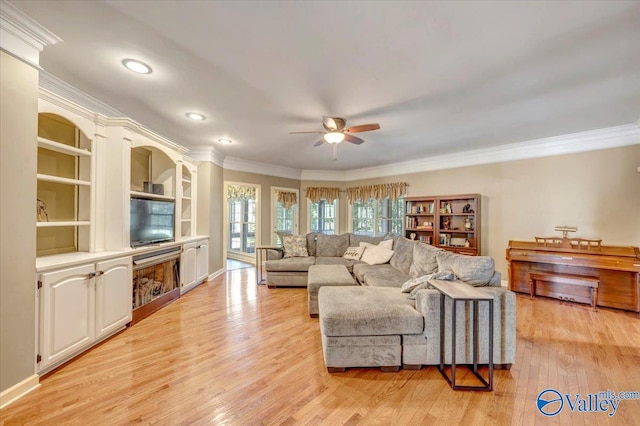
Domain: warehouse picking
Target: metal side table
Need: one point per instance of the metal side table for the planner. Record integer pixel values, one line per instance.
(259, 259)
(459, 291)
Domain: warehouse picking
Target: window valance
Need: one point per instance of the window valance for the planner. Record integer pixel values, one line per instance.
(316, 194)
(241, 192)
(287, 199)
(378, 192)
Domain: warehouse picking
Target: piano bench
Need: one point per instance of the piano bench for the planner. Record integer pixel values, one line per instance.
(574, 280)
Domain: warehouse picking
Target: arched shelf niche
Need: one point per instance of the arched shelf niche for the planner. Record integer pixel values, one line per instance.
(153, 172)
(64, 186)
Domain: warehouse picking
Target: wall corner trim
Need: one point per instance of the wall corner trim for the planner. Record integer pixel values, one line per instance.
(19, 390)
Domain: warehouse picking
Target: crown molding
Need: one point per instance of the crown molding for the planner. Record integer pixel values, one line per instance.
(233, 163)
(21, 36)
(207, 153)
(611, 137)
(65, 90)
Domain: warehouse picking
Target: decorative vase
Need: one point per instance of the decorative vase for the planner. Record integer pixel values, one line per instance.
(468, 225)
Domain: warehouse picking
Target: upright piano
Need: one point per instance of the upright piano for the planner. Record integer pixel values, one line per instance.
(616, 268)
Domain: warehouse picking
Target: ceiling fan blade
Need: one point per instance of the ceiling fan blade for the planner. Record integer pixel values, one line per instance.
(295, 133)
(320, 142)
(363, 128)
(353, 139)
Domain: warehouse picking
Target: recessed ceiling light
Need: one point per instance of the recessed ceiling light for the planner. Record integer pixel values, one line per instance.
(137, 66)
(224, 141)
(195, 116)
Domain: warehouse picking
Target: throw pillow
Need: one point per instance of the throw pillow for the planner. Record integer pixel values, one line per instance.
(376, 255)
(295, 246)
(353, 253)
(402, 254)
(424, 260)
(388, 244)
(331, 245)
(474, 270)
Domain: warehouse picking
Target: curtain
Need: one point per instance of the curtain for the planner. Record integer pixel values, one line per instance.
(316, 194)
(241, 192)
(287, 199)
(378, 192)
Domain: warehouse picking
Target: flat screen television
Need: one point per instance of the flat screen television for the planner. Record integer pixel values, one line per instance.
(152, 221)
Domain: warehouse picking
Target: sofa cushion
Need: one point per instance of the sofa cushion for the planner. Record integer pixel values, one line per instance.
(424, 260)
(337, 261)
(331, 245)
(379, 275)
(290, 264)
(355, 240)
(402, 254)
(474, 270)
(294, 246)
(376, 255)
(353, 253)
(363, 311)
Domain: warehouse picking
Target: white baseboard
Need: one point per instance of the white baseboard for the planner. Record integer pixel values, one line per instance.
(217, 273)
(19, 390)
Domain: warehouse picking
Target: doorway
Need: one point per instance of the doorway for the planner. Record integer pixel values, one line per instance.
(242, 217)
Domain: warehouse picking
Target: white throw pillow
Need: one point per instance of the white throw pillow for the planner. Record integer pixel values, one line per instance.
(353, 253)
(376, 255)
(388, 244)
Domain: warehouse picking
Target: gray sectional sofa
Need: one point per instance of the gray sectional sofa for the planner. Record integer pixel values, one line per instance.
(381, 295)
(410, 259)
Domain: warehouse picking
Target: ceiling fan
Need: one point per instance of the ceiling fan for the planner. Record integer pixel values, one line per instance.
(335, 132)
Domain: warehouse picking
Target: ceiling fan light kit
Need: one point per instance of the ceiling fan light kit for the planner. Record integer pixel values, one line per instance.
(334, 137)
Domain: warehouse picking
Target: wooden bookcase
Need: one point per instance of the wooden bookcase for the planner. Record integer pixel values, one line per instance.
(451, 222)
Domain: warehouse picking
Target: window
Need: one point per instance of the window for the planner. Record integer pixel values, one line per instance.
(377, 218)
(323, 216)
(242, 225)
(284, 212)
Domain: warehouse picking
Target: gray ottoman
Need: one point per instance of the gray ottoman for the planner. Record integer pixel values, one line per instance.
(325, 275)
(363, 326)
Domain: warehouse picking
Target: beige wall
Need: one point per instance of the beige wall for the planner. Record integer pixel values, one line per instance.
(265, 182)
(18, 130)
(210, 212)
(597, 191)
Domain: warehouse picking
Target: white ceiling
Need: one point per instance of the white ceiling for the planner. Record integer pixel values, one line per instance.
(439, 77)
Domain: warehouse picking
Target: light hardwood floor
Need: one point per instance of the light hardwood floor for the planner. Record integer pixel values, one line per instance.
(231, 352)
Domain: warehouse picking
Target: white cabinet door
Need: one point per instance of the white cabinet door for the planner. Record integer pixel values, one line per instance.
(203, 260)
(188, 268)
(113, 295)
(68, 313)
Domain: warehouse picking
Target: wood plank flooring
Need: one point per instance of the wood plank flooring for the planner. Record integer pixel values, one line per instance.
(233, 353)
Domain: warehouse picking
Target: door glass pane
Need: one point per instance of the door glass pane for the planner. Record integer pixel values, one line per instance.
(242, 225)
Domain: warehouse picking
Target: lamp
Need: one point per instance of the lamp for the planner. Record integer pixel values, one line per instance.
(334, 137)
